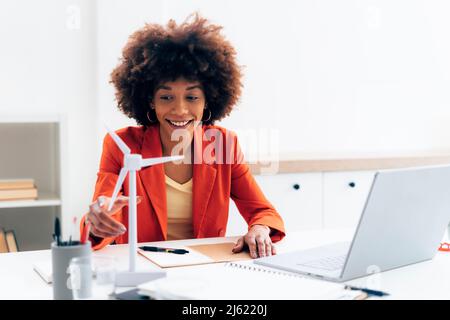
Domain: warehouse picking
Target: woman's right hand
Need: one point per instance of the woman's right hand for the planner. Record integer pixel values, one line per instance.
(102, 224)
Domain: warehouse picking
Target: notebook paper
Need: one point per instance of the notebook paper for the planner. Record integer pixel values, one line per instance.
(240, 282)
(44, 270)
(198, 254)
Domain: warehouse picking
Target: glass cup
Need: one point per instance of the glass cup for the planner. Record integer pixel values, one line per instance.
(80, 269)
(104, 269)
(93, 278)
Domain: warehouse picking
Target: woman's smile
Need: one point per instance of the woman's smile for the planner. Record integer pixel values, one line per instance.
(180, 124)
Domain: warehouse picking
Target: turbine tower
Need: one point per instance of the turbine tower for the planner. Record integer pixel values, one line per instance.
(132, 163)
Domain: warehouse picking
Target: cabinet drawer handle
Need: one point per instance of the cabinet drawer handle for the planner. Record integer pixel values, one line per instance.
(352, 184)
(296, 186)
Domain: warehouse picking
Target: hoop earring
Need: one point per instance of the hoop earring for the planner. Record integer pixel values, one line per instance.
(148, 117)
(210, 114)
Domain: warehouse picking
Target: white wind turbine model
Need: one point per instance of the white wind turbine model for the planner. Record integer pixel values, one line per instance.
(133, 163)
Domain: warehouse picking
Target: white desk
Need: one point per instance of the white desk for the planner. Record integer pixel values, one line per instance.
(426, 280)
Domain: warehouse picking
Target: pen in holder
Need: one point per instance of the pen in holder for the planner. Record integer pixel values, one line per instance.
(61, 257)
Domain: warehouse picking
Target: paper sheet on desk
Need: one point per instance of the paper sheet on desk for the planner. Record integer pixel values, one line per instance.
(198, 254)
(223, 282)
(44, 270)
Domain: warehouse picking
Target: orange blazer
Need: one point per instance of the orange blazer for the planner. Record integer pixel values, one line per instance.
(214, 183)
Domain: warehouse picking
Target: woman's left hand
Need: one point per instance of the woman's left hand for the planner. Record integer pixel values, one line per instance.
(258, 241)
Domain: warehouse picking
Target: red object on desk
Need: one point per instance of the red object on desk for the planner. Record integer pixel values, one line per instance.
(445, 246)
(85, 234)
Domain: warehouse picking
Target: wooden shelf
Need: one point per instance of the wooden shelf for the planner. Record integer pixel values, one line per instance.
(45, 200)
(349, 164)
(32, 119)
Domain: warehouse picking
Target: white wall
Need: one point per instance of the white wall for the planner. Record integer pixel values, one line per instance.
(48, 66)
(331, 77)
(116, 21)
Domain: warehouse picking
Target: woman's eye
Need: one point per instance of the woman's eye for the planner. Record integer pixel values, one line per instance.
(167, 98)
(192, 98)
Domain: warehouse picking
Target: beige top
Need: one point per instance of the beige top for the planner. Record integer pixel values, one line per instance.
(179, 210)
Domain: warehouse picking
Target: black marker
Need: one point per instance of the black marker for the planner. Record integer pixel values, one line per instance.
(57, 234)
(370, 292)
(169, 250)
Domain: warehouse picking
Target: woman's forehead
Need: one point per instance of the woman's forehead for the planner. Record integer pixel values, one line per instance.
(179, 83)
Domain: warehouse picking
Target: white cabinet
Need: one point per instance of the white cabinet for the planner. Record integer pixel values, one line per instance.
(297, 197)
(344, 196)
(312, 200)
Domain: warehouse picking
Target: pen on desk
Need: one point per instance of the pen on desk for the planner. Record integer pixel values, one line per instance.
(168, 250)
(57, 234)
(370, 292)
(74, 221)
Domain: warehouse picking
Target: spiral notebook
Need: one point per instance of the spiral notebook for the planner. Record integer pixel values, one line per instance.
(241, 282)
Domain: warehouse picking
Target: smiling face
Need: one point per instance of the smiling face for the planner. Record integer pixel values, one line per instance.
(178, 104)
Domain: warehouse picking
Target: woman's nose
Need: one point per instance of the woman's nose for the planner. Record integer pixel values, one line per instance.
(180, 107)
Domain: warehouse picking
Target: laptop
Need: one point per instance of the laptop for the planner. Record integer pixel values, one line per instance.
(403, 221)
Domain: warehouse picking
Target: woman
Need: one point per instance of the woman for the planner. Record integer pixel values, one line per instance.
(176, 81)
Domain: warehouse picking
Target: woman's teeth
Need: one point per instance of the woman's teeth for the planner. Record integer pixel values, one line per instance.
(179, 123)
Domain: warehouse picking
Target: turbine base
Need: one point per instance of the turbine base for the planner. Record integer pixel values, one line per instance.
(132, 279)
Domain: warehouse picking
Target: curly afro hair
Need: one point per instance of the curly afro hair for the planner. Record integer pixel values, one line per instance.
(193, 50)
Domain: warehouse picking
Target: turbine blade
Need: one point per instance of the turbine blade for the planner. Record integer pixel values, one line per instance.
(122, 175)
(122, 146)
(152, 161)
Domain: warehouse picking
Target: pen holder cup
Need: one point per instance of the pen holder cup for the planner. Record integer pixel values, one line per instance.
(61, 258)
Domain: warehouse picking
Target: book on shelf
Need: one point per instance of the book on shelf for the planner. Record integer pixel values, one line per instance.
(19, 194)
(13, 184)
(3, 243)
(11, 241)
(8, 242)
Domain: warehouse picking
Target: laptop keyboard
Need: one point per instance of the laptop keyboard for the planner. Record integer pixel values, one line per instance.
(327, 263)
